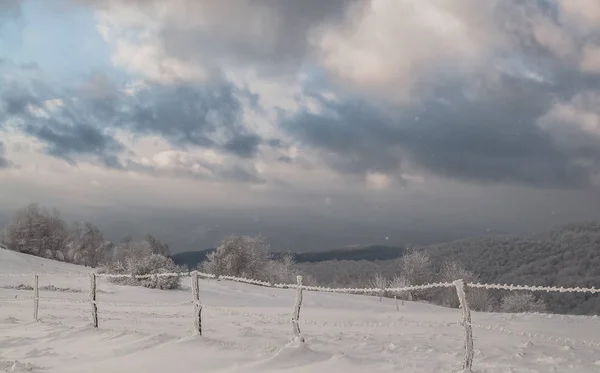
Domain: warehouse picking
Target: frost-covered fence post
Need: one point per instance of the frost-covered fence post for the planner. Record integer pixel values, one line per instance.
(197, 305)
(466, 322)
(296, 315)
(396, 299)
(93, 304)
(36, 296)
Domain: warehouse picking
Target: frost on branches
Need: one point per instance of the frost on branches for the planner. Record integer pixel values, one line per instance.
(522, 302)
(478, 299)
(141, 258)
(248, 257)
(379, 282)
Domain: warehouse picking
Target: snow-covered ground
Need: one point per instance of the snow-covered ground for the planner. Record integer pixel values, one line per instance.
(247, 329)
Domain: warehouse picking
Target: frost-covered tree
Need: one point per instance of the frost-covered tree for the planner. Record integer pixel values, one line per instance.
(416, 267)
(282, 270)
(87, 245)
(37, 231)
(380, 282)
(128, 248)
(522, 302)
(479, 299)
(241, 256)
(400, 282)
(157, 246)
(152, 264)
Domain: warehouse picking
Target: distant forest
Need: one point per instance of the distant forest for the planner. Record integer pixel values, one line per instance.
(567, 256)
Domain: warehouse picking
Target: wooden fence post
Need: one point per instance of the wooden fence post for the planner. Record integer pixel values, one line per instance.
(36, 297)
(93, 304)
(296, 315)
(396, 299)
(466, 322)
(197, 305)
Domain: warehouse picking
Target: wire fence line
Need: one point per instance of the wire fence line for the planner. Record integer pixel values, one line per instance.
(510, 287)
(459, 285)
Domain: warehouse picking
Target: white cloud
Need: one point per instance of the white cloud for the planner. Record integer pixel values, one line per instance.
(575, 124)
(386, 44)
(584, 12)
(377, 181)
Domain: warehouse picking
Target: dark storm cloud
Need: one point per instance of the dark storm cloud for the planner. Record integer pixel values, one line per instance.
(186, 115)
(207, 116)
(69, 140)
(353, 138)
(245, 146)
(67, 130)
(491, 137)
(276, 143)
(285, 159)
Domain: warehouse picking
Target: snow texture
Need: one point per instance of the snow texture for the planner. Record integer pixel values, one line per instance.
(247, 328)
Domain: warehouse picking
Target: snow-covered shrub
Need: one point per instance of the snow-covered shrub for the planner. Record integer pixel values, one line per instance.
(522, 302)
(400, 282)
(479, 299)
(146, 265)
(379, 282)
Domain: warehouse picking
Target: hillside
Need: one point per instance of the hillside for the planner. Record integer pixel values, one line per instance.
(247, 330)
(191, 259)
(15, 263)
(567, 256)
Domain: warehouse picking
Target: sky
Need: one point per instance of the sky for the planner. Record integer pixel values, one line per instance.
(316, 123)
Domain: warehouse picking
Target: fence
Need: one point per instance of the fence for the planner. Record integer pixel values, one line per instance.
(460, 287)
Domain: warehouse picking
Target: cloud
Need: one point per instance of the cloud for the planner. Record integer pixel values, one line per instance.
(66, 129)
(65, 138)
(207, 115)
(245, 146)
(206, 166)
(469, 90)
(489, 136)
(188, 40)
(79, 123)
(4, 163)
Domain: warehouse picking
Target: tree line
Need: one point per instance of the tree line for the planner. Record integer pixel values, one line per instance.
(43, 232)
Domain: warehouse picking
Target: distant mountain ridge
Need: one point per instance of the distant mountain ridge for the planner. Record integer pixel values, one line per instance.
(191, 259)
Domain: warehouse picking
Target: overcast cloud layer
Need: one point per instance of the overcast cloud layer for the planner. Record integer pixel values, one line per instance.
(417, 105)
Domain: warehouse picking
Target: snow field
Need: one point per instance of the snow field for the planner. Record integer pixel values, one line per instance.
(248, 329)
